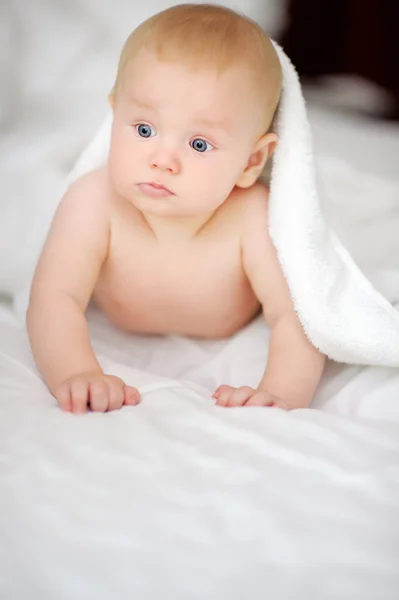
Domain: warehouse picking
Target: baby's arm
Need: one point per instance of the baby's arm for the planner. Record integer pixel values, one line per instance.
(294, 365)
(63, 283)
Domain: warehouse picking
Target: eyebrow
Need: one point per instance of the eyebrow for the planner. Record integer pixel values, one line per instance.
(221, 124)
(213, 123)
(141, 103)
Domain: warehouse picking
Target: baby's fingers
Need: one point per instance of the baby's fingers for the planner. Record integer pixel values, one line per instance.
(79, 391)
(99, 396)
(131, 396)
(222, 394)
(227, 395)
(239, 396)
(115, 395)
(63, 397)
(219, 390)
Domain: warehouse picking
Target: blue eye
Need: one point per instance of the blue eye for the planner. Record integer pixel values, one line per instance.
(145, 131)
(201, 145)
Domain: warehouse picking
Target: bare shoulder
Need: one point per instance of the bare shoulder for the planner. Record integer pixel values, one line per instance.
(260, 258)
(81, 222)
(78, 240)
(248, 210)
(90, 190)
(257, 200)
(246, 206)
(255, 212)
(257, 248)
(84, 212)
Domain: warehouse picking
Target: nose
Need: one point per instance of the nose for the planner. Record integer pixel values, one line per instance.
(166, 160)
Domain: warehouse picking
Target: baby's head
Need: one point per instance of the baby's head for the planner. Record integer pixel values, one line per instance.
(194, 97)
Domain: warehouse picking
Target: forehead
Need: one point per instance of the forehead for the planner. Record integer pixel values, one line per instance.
(223, 96)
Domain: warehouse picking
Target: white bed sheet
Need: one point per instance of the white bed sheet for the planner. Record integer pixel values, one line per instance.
(179, 499)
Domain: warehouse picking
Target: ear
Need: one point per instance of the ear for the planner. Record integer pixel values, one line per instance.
(263, 150)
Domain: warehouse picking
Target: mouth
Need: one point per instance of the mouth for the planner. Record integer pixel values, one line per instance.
(155, 190)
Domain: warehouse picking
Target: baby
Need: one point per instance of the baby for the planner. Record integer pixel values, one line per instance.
(171, 235)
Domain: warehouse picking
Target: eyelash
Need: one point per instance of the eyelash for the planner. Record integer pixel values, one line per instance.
(208, 144)
(212, 147)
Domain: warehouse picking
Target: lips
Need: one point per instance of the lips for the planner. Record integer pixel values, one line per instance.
(155, 190)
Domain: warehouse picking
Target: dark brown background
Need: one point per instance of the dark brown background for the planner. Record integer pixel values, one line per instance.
(359, 37)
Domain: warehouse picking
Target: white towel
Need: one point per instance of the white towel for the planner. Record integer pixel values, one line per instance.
(341, 312)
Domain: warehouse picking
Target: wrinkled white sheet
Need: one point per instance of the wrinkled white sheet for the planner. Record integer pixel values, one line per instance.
(179, 499)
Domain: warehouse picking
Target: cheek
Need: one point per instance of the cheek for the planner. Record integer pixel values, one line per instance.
(121, 157)
(221, 174)
(211, 184)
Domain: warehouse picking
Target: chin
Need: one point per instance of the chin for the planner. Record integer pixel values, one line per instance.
(156, 207)
(169, 207)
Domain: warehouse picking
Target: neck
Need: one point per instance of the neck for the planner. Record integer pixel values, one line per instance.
(176, 228)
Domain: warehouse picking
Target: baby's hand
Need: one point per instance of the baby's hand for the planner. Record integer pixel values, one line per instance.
(226, 395)
(95, 390)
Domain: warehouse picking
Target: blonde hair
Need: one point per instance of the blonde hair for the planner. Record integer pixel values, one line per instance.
(206, 35)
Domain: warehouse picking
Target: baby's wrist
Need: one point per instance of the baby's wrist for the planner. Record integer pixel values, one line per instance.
(279, 400)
